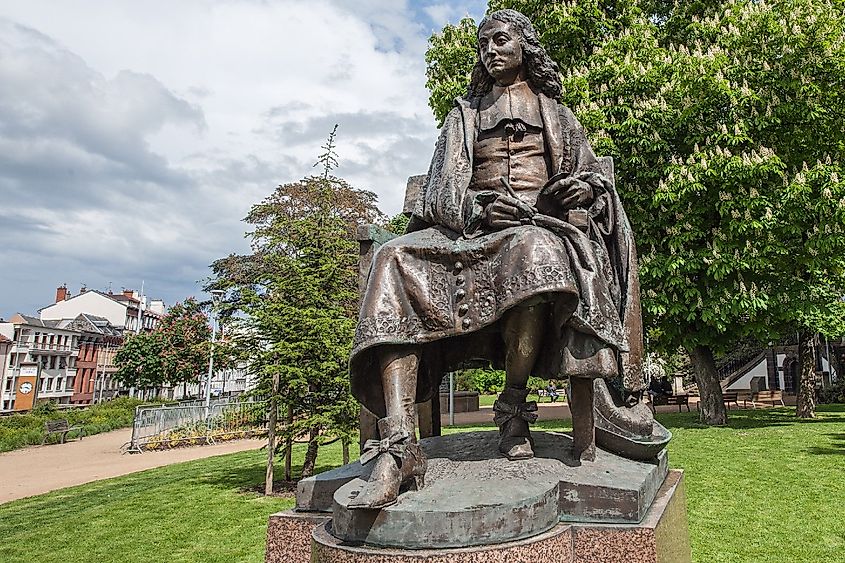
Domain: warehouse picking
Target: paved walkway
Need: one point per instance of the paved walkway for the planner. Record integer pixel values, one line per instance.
(40, 469)
(546, 411)
(484, 415)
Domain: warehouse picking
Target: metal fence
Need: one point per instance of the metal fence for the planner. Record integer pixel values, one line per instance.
(168, 426)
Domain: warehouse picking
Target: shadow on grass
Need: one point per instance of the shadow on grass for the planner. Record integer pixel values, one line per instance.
(837, 446)
(250, 479)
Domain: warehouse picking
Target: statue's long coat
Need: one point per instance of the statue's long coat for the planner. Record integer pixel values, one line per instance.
(444, 286)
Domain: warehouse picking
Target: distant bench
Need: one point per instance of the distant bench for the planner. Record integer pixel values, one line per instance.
(680, 400)
(765, 397)
(60, 426)
(746, 397)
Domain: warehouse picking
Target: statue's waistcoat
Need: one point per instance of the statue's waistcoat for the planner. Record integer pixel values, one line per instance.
(510, 142)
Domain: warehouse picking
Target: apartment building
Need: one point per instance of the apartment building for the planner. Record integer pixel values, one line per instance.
(124, 311)
(52, 346)
(98, 344)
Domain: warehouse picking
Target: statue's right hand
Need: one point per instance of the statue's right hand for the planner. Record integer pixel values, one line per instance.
(504, 212)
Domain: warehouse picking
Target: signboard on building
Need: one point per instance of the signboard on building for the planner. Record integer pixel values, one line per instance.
(26, 387)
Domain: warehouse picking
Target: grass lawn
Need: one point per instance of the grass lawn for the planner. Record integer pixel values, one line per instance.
(768, 488)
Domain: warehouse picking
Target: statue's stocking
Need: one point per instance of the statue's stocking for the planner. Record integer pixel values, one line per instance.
(396, 455)
(523, 335)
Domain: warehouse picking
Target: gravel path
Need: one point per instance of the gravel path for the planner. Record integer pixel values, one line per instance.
(40, 469)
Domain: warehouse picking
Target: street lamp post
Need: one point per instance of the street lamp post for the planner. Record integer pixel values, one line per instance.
(215, 299)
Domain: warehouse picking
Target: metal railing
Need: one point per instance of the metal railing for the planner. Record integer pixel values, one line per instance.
(168, 426)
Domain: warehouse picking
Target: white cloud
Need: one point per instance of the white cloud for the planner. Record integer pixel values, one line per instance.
(134, 136)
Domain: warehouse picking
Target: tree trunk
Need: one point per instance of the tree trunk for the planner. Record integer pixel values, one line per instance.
(272, 419)
(311, 452)
(711, 407)
(289, 447)
(345, 451)
(806, 403)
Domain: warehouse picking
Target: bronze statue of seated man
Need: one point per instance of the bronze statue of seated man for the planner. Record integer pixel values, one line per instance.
(518, 253)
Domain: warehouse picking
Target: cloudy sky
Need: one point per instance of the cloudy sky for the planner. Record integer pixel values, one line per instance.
(134, 136)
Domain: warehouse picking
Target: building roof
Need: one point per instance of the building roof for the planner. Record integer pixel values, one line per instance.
(116, 297)
(120, 298)
(85, 322)
(20, 318)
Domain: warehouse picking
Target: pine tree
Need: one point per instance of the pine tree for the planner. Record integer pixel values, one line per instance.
(297, 293)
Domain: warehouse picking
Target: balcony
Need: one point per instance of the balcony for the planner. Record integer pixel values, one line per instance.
(46, 348)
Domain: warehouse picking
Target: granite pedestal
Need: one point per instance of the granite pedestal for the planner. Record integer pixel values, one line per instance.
(661, 537)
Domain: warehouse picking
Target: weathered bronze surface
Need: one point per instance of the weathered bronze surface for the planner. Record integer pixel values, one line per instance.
(519, 254)
(472, 497)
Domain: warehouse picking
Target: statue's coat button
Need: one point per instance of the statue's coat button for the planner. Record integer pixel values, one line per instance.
(460, 280)
(466, 322)
(459, 266)
(460, 294)
(463, 309)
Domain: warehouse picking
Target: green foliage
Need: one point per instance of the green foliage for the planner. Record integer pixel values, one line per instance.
(294, 299)
(678, 363)
(398, 224)
(45, 409)
(449, 61)
(724, 119)
(139, 361)
(834, 393)
(20, 430)
(329, 158)
(481, 380)
(489, 381)
(175, 352)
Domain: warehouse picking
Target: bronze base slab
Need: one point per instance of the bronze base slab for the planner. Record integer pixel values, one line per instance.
(662, 537)
(475, 497)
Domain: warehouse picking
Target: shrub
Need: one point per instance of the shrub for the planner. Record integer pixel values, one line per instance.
(834, 393)
(20, 430)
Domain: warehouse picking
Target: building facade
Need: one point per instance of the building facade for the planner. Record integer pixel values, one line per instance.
(49, 345)
(95, 368)
(124, 311)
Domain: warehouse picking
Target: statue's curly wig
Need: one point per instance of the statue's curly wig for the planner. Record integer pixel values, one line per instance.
(540, 70)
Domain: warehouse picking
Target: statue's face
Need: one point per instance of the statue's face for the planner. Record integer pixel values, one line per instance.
(501, 51)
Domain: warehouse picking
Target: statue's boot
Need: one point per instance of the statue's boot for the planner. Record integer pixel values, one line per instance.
(398, 460)
(512, 416)
(635, 418)
(626, 426)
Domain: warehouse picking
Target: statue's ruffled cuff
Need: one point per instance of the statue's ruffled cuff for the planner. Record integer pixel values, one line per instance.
(475, 212)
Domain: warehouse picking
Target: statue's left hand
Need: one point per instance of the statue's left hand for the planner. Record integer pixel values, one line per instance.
(571, 193)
